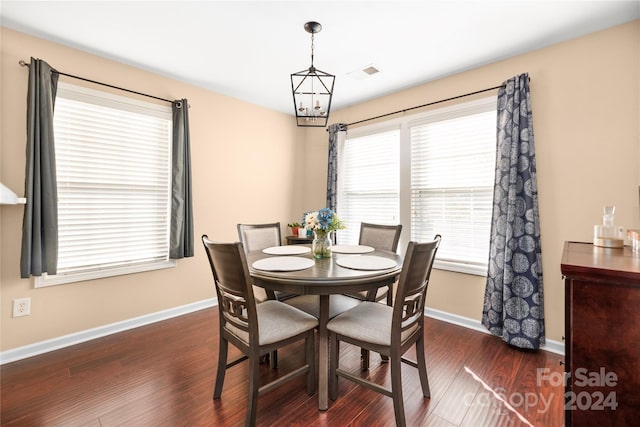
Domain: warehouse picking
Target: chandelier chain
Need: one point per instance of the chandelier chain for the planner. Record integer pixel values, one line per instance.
(312, 46)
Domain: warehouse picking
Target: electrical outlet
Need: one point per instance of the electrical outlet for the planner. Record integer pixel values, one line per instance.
(21, 307)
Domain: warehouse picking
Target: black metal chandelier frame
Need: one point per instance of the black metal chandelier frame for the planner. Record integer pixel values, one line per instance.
(312, 85)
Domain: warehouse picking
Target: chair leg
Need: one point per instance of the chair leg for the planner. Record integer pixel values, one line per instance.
(396, 389)
(273, 359)
(422, 367)
(384, 358)
(254, 374)
(334, 363)
(310, 351)
(365, 357)
(222, 367)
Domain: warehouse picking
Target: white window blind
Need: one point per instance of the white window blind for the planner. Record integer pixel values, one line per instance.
(433, 173)
(113, 174)
(369, 185)
(452, 173)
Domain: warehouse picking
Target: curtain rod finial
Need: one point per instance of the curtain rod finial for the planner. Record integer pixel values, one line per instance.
(22, 63)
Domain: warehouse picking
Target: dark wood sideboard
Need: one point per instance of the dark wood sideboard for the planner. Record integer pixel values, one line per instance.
(295, 240)
(602, 335)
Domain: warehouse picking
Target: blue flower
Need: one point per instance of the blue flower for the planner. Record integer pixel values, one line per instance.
(325, 216)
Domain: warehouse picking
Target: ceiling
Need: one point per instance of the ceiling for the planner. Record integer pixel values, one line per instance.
(248, 50)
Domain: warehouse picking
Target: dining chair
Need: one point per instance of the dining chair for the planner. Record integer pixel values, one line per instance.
(389, 330)
(384, 237)
(255, 329)
(255, 237)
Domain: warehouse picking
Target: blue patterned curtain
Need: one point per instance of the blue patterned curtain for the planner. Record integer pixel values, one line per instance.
(513, 303)
(332, 171)
(39, 253)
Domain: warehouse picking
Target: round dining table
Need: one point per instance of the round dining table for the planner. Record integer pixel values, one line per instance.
(306, 275)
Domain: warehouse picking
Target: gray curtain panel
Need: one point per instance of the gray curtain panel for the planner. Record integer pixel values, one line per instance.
(513, 302)
(181, 237)
(332, 171)
(39, 252)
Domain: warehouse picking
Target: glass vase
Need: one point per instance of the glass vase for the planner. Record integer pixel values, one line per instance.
(321, 245)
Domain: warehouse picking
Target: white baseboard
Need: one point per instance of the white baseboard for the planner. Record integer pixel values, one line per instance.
(90, 334)
(551, 345)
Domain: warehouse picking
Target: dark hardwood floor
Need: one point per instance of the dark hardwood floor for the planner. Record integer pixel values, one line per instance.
(163, 375)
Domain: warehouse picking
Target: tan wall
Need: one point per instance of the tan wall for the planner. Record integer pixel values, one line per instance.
(585, 100)
(241, 173)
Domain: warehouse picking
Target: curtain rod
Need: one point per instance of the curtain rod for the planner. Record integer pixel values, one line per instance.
(24, 64)
(425, 105)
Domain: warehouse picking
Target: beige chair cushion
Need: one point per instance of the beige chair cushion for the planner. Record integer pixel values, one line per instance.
(276, 322)
(259, 237)
(369, 322)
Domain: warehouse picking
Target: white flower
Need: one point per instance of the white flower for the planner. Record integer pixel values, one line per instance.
(311, 221)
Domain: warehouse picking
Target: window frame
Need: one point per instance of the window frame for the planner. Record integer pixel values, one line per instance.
(107, 99)
(404, 124)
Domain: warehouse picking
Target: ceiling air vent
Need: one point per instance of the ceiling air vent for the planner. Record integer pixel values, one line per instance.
(364, 72)
(370, 69)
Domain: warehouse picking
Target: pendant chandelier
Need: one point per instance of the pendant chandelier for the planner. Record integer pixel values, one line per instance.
(312, 90)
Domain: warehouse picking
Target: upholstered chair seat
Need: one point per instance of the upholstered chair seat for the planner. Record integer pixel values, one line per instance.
(377, 317)
(276, 322)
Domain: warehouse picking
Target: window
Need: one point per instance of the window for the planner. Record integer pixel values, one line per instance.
(113, 165)
(444, 163)
(369, 188)
(452, 170)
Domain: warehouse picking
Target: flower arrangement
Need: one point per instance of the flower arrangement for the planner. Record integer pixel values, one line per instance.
(322, 221)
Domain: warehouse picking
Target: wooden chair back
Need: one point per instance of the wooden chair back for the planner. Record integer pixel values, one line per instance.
(255, 237)
(236, 302)
(385, 237)
(408, 309)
